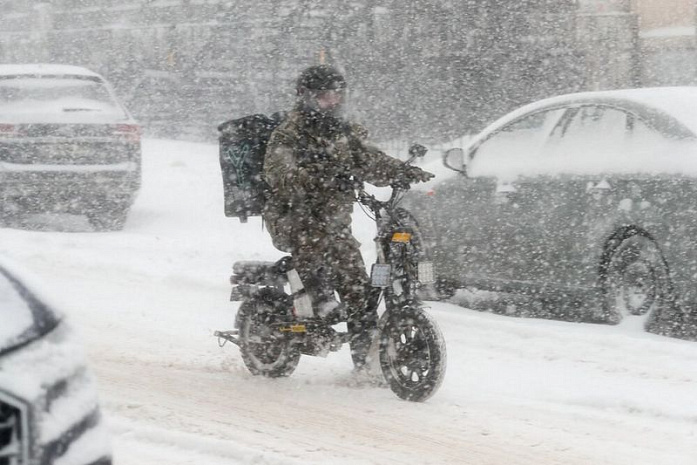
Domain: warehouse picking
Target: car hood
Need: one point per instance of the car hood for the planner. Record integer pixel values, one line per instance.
(50, 378)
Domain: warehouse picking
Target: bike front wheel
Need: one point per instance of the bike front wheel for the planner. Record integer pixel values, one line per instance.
(412, 353)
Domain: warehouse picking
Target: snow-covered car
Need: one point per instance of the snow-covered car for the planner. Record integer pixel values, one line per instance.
(66, 145)
(49, 411)
(580, 207)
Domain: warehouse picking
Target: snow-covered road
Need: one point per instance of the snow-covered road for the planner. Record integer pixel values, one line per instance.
(147, 300)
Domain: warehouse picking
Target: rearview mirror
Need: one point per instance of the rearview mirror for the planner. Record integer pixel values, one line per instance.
(455, 160)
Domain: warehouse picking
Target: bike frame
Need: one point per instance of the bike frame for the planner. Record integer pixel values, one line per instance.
(389, 219)
(392, 232)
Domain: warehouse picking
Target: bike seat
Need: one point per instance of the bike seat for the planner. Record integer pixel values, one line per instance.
(251, 267)
(254, 267)
(261, 272)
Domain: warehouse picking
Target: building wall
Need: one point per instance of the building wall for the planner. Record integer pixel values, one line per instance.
(609, 41)
(655, 14)
(667, 41)
(183, 64)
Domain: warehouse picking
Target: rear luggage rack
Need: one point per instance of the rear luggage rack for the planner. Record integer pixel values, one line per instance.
(249, 276)
(225, 336)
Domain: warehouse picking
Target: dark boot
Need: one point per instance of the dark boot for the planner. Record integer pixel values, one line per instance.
(330, 311)
(363, 330)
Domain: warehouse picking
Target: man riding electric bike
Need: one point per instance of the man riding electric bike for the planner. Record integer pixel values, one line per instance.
(312, 162)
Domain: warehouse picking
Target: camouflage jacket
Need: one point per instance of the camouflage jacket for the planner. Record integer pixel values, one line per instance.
(306, 167)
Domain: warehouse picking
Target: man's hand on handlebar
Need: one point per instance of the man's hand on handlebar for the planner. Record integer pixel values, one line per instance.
(412, 175)
(417, 151)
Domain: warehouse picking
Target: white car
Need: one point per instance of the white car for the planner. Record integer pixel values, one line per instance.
(579, 207)
(49, 411)
(66, 145)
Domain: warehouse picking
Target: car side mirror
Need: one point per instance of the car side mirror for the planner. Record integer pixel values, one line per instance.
(455, 160)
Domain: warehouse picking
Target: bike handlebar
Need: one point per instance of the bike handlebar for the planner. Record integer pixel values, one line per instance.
(370, 201)
(398, 187)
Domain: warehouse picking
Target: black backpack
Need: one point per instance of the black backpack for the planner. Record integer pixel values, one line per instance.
(242, 149)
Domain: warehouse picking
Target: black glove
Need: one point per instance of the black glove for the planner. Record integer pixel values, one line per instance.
(417, 150)
(414, 174)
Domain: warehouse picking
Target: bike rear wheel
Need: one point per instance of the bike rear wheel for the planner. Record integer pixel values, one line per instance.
(264, 352)
(412, 353)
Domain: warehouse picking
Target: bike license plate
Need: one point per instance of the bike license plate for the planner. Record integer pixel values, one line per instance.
(380, 275)
(426, 274)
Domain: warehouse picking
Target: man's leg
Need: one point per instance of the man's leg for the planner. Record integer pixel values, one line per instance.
(351, 282)
(309, 261)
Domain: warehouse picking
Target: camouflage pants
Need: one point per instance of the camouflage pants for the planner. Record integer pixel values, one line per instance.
(331, 261)
(328, 262)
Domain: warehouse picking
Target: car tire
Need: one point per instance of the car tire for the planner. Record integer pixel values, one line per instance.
(635, 281)
(109, 220)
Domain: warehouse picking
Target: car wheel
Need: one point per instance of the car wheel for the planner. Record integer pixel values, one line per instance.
(110, 220)
(635, 282)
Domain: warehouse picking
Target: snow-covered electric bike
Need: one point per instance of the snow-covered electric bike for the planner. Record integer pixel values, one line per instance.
(275, 323)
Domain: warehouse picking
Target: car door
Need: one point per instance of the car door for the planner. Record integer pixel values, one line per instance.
(575, 183)
(495, 217)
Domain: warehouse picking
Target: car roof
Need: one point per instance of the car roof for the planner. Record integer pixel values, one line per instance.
(669, 109)
(45, 69)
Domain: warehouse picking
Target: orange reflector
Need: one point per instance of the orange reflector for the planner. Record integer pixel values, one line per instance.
(401, 237)
(294, 329)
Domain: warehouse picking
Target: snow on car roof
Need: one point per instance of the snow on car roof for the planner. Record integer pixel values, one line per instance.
(679, 102)
(669, 110)
(45, 69)
(676, 102)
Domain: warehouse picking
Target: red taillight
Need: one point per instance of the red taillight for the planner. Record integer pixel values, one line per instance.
(7, 130)
(130, 132)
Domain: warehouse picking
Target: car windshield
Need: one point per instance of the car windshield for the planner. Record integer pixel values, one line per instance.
(55, 94)
(23, 317)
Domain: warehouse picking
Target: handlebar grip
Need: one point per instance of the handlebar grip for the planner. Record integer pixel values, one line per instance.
(417, 150)
(400, 185)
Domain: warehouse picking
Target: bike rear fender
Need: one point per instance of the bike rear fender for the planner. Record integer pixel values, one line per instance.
(249, 277)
